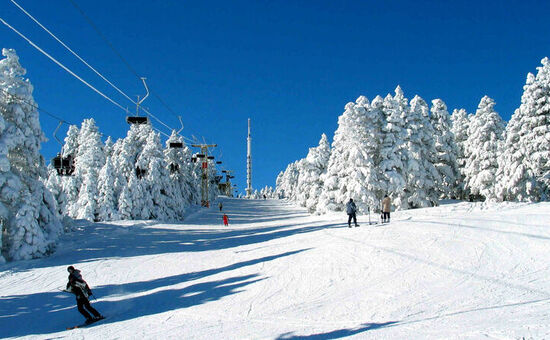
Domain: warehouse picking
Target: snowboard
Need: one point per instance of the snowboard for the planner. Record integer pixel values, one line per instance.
(85, 324)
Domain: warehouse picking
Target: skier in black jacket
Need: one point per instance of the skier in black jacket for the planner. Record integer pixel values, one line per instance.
(81, 290)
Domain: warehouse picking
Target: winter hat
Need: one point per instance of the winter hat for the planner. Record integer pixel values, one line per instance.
(70, 269)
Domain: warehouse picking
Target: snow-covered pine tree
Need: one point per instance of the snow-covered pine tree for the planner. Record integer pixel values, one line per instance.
(535, 137)
(156, 180)
(392, 152)
(373, 144)
(514, 179)
(484, 137)
(128, 185)
(421, 175)
(350, 166)
(107, 200)
(446, 163)
(310, 185)
(278, 185)
(289, 181)
(28, 213)
(88, 162)
(460, 123)
(178, 163)
(71, 184)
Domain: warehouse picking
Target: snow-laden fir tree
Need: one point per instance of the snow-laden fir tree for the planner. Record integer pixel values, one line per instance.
(28, 214)
(514, 179)
(71, 184)
(350, 166)
(392, 152)
(309, 185)
(421, 175)
(129, 188)
(181, 169)
(157, 182)
(107, 200)
(524, 165)
(278, 184)
(286, 187)
(446, 161)
(535, 120)
(88, 162)
(460, 124)
(484, 137)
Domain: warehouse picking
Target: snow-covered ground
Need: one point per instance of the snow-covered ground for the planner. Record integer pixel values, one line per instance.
(462, 270)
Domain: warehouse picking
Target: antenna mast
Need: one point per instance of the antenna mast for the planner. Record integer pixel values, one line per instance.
(249, 163)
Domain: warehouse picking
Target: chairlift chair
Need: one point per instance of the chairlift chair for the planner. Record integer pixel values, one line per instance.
(219, 162)
(210, 157)
(140, 173)
(174, 168)
(175, 145)
(137, 120)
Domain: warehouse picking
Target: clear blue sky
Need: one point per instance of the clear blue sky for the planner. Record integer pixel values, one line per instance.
(290, 66)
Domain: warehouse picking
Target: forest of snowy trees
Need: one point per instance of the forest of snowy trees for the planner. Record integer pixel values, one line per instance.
(419, 154)
(132, 178)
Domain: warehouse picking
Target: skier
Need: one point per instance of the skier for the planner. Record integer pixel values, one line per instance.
(351, 210)
(81, 290)
(225, 220)
(220, 206)
(386, 207)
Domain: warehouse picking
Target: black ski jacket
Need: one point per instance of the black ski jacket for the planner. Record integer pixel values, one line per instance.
(78, 286)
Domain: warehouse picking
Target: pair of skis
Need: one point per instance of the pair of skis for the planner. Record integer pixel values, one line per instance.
(86, 324)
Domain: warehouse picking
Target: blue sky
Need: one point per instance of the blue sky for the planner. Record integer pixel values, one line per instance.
(290, 66)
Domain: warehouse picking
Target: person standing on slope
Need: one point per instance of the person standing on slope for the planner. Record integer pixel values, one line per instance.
(386, 207)
(225, 220)
(351, 210)
(81, 290)
(220, 206)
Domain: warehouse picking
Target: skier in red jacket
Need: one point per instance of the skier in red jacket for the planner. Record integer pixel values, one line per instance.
(225, 220)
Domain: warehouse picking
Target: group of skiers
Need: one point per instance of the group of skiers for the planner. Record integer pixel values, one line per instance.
(351, 210)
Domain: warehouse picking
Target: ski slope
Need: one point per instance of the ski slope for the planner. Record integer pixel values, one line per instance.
(458, 271)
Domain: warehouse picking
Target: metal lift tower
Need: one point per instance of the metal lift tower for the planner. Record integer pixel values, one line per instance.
(249, 163)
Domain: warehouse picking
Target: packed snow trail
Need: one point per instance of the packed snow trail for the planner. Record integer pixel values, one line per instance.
(461, 270)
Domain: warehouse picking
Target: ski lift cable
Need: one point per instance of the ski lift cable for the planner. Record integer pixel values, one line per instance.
(12, 96)
(126, 63)
(67, 69)
(87, 64)
(61, 65)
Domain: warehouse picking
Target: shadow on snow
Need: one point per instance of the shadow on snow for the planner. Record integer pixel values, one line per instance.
(51, 312)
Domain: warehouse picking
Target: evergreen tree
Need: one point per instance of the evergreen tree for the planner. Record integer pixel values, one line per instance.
(88, 162)
(421, 175)
(535, 137)
(107, 200)
(484, 136)
(392, 152)
(28, 213)
(71, 184)
(446, 163)
(157, 179)
(349, 167)
(288, 182)
(134, 200)
(515, 181)
(310, 185)
(318, 160)
(460, 124)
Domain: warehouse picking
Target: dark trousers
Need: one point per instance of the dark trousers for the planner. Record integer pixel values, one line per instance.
(82, 303)
(385, 216)
(350, 216)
